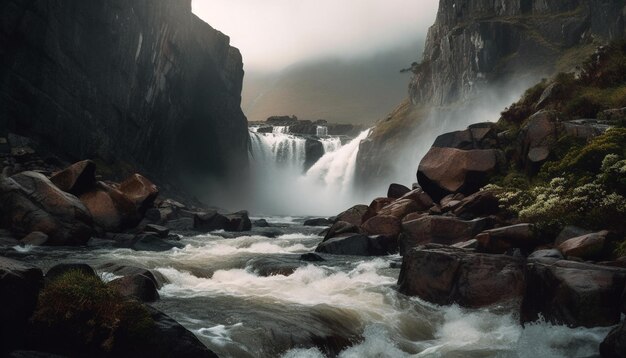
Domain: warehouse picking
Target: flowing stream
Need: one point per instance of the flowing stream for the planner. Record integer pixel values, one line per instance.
(218, 287)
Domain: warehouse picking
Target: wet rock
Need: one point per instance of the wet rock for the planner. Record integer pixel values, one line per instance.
(30, 202)
(317, 222)
(313, 151)
(500, 240)
(399, 208)
(447, 170)
(58, 270)
(110, 208)
(124, 270)
(570, 232)
(145, 242)
(397, 191)
(261, 223)
(238, 222)
(340, 228)
(35, 238)
(140, 191)
(354, 215)
(209, 221)
(586, 247)
(446, 275)
(162, 231)
(481, 203)
(154, 215)
(19, 284)
(385, 225)
(469, 244)
(549, 253)
(183, 224)
(137, 286)
(573, 293)
(374, 208)
(614, 345)
(311, 257)
(272, 266)
(356, 245)
(439, 230)
(77, 179)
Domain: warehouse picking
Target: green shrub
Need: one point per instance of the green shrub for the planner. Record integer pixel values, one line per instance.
(80, 314)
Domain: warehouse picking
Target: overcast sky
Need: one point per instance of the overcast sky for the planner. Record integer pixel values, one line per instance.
(273, 34)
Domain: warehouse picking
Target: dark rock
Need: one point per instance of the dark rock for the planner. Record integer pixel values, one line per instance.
(614, 345)
(238, 222)
(447, 170)
(138, 286)
(476, 136)
(500, 240)
(446, 275)
(439, 230)
(481, 203)
(317, 222)
(313, 151)
(154, 215)
(419, 196)
(613, 115)
(539, 136)
(58, 270)
(19, 287)
(469, 244)
(209, 221)
(357, 245)
(585, 128)
(586, 247)
(33, 354)
(110, 208)
(140, 191)
(385, 225)
(163, 232)
(272, 266)
(375, 206)
(573, 293)
(76, 179)
(570, 232)
(551, 254)
(339, 228)
(30, 202)
(158, 91)
(184, 224)
(397, 191)
(261, 223)
(35, 238)
(354, 215)
(145, 242)
(124, 270)
(311, 257)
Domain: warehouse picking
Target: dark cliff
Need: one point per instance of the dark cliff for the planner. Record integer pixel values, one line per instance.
(136, 83)
(476, 45)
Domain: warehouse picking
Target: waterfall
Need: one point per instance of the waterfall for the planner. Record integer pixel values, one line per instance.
(322, 131)
(278, 150)
(331, 144)
(280, 129)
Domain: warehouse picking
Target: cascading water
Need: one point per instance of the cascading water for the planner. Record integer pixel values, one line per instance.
(322, 131)
(280, 129)
(277, 149)
(331, 144)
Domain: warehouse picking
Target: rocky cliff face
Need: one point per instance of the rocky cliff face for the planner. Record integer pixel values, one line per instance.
(475, 44)
(136, 83)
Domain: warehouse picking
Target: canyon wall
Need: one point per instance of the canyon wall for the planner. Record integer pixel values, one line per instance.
(135, 83)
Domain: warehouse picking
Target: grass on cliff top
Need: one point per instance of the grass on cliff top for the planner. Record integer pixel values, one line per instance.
(399, 124)
(79, 314)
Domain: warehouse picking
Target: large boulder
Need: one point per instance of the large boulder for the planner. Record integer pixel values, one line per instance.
(446, 275)
(137, 286)
(111, 210)
(359, 245)
(569, 232)
(237, 222)
(447, 170)
(19, 288)
(539, 134)
(586, 247)
(386, 225)
(317, 222)
(375, 207)
(354, 215)
(124, 270)
(481, 203)
(573, 293)
(421, 198)
(477, 136)
(614, 345)
(209, 221)
(340, 228)
(502, 239)
(30, 202)
(400, 208)
(141, 191)
(77, 178)
(439, 230)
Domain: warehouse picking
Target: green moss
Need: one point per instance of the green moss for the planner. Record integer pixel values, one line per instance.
(80, 313)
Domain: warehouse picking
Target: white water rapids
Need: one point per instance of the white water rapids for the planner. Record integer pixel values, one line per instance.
(344, 306)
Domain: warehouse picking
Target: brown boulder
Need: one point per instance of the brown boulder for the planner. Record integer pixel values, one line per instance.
(111, 209)
(30, 202)
(386, 225)
(339, 228)
(573, 293)
(446, 275)
(419, 196)
(396, 191)
(500, 240)
(375, 206)
(539, 135)
(400, 208)
(140, 191)
(439, 230)
(354, 215)
(481, 203)
(77, 178)
(586, 247)
(570, 232)
(447, 170)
